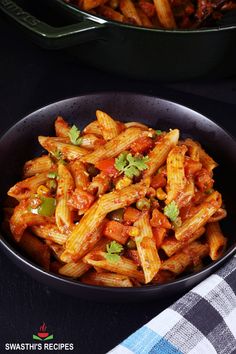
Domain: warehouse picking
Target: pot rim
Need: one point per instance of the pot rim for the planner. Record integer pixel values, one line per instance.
(102, 20)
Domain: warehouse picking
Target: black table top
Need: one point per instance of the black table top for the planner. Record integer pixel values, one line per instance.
(31, 77)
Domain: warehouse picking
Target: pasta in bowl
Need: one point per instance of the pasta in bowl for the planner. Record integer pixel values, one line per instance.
(118, 204)
(145, 228)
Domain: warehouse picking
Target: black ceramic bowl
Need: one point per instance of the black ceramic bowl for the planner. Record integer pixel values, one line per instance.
(20, 144)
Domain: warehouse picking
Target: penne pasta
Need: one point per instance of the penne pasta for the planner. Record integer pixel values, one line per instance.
(38, 165)
(93, 128)
(187, 194)
(91, 4)
(107, 279)
(129, 11)
(192, 224)
(188, 256)
(146, 22)
(110, 128)
(199, 154)
(219, 215)
(122, 198)
(216, 240)
(206, 160)
(79, 174)
(78, 243)
(124, 266)
(170, 245)
(65, 187)
(62, 150)
(74, 270)
(28, 186)
(91, 141)
(146, 247)
(35, 249)
(176, 179)
(158, 155)
(193, 149)
(85, 234)
(100, 184)
(21, 219)
(163, 276)
(165, 14)
(50, 232)
(99, 246)
(137, 125)
(110, 13)
(62, 128)
(115, 146)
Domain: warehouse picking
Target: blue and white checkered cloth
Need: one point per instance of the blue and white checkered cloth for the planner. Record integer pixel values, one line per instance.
(201, 322)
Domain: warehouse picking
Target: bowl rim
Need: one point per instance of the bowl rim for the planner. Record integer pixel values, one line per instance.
(6, 246)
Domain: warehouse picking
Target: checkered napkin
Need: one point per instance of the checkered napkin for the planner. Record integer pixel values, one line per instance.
(202, 322)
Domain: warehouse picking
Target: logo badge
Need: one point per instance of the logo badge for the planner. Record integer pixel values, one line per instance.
(43, 334)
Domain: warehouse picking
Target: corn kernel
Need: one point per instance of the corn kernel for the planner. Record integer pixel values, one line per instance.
(133, 231)
(123, 182)
(147, 181)
(42, 190)
(161, 195)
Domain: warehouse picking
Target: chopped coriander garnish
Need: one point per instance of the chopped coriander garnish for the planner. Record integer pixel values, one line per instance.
(172, 211)
(58, 155)
(158, 132)
(52, 175)
(121, 161)
(113, 251)
(130, 165)
(74, 135)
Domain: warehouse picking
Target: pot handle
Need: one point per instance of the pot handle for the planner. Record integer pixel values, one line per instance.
(52, 37)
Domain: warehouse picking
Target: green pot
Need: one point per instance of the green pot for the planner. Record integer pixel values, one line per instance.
(138, 52)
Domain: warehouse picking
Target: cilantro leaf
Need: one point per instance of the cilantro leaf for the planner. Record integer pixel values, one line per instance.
(113, 250)
(59, 156)
(52, 175)
(172, 211)
(114, 247)
(132, 171)
(112, 258)
(158, 132)
(130, 165)
(74, 135)
(121, 161)
(138, 161)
